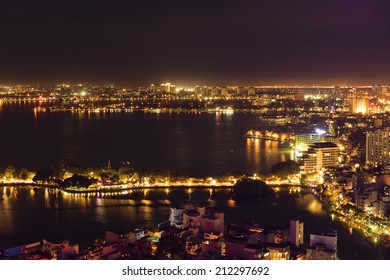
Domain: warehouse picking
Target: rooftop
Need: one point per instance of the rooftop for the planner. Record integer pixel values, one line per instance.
(322, 145)
(192, 213)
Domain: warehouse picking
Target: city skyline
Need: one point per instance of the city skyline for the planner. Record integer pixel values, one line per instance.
(205, 42)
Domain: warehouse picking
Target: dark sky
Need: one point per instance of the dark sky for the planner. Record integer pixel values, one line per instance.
(195, 41)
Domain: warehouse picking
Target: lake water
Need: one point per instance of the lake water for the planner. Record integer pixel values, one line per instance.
(194, 144)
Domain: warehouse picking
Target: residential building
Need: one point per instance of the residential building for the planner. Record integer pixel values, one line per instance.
(296, 232)
(279, 251)
(256, 252)
(136, 234)
(329, 240)
(323, 247)
(320, 155)
(103, 252)
(367, 200)
(384, 206)
(361, 105)
(378, 147)
(195, 218)
(59, 248)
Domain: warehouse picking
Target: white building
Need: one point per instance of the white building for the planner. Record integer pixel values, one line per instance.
(328, 240)
(368, 201)
(59, 248)
(320, 253)
(320, 155)
(136, 234)
(296, 232)
(322, 247)
(193, 217)
(307, 139)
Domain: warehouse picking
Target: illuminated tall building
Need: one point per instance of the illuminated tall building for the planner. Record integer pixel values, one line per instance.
(304, 140)
(320, 155)
(307, 138)
(360, 105)
(168, 88)
(378, 147)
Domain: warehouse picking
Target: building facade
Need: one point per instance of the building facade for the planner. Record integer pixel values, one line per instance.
(296, 232)
(378, 147)
(319, 156)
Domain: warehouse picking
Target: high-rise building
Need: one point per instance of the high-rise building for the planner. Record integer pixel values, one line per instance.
(361, 105)
(320, 155)
(378, 147)
(304, 140)
(307, 138)
(168, 88)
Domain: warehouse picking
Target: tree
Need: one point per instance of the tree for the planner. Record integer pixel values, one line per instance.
(171, 247)
(248, 188)
(109, 178)
(284, 169)
(43, 176)
(23, 174)
(10, 172)
(77, 181)
(135, 177)
(125, 173)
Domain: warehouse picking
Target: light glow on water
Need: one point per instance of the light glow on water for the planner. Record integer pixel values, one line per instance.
(315, 207)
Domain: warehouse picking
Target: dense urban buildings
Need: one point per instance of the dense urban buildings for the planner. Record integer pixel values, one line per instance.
(200, 238)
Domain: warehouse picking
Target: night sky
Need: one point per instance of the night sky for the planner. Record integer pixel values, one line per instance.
(243, 42)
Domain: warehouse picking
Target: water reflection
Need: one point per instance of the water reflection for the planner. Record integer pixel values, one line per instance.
(315, 207)
(100, 214)
(231, 203)
(260, 153)
(253, 150)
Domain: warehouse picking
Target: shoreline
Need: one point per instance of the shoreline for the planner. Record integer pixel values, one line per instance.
(114, 189)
